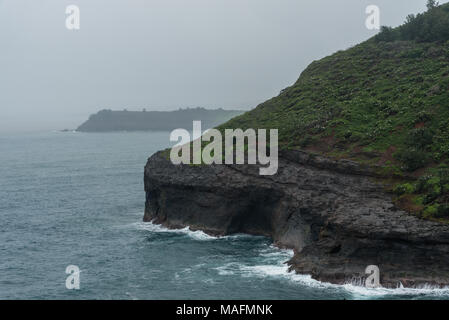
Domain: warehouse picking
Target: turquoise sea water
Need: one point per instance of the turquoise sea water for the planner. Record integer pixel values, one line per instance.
(78, 199)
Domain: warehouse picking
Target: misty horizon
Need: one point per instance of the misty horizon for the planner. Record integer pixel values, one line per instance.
(165, 55)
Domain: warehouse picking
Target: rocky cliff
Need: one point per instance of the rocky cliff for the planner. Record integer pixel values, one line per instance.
(334, 215)
(382, 104)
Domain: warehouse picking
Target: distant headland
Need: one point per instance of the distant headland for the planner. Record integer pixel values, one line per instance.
(109, 120)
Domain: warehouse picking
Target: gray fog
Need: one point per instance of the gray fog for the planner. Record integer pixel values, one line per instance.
(166, 54)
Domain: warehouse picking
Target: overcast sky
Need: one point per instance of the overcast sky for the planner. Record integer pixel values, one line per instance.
(165, 54)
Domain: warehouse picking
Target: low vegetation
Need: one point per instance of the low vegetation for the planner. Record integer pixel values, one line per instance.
(384, 102)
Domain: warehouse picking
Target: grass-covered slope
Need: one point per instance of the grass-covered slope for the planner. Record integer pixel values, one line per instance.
(384, 102)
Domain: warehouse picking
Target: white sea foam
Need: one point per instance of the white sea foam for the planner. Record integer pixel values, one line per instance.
(62, 131)
(357, 291)
(196, 235)
(280, 270)
(228, 269)
(273, 265)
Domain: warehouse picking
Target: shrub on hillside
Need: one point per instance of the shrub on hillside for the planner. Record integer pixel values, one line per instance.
(412, 159)
(430, 26)
(420, 138)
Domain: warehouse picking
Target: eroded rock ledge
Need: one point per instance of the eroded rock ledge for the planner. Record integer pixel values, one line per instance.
(332, 213)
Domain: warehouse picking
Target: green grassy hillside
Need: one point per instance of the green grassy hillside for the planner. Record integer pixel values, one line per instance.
(384, 102)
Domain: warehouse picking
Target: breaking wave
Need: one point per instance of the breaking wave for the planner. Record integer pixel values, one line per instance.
(196, 235)
(271, 263)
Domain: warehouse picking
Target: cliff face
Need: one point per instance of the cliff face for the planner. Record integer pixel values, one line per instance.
(382, 103)
(333, 214)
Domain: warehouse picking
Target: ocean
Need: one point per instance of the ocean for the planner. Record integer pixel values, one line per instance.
(71, 198)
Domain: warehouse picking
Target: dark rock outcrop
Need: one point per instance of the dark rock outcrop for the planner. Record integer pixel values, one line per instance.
(333, 214)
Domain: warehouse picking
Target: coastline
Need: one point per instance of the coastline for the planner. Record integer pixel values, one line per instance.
(355, 287)
(336, 221)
